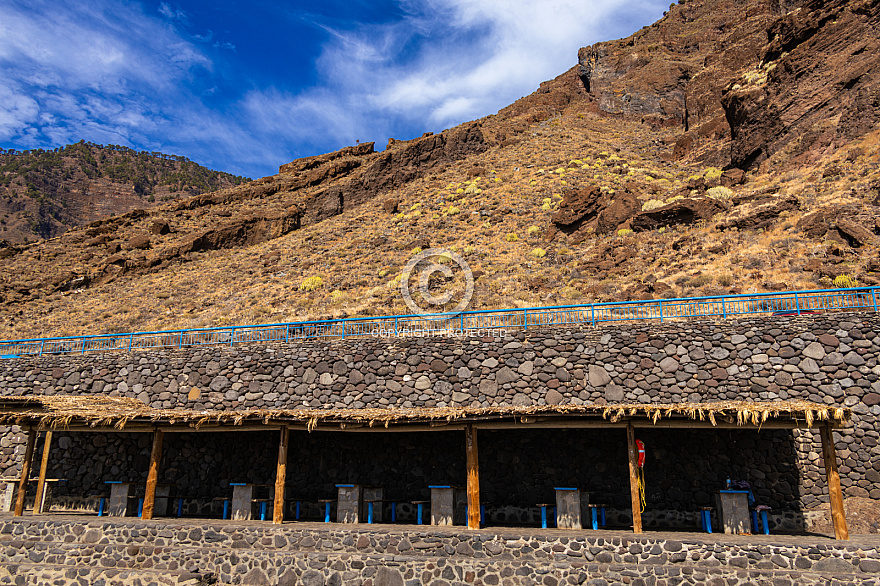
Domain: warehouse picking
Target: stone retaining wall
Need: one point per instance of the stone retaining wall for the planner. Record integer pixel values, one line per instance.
(239, 554)
(831, 359)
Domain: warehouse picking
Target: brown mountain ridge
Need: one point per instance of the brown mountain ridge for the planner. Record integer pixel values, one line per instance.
(729, 147)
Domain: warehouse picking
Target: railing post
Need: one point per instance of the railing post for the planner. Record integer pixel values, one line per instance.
(525, 319)
(83, 345)
(180, 341)
(874, 297)
(343, 329)
(797, 304)
(287, 334)
(43, 342)
(723, 309)
(461, 322)
(661, 310)
(231, 336)
(395, 327)
(130, 340)
(593, 314)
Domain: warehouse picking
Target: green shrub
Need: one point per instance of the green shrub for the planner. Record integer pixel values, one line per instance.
(539, 253)
(624, 232)
(652, 204)
(845, 282)
(533, 230)
(311, 283)
(512, 237)
(725, 280)
(698, 281)
(720, 193)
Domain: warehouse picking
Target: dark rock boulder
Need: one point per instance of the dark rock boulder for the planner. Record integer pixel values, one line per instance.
(625, 206)
(762, 215)
(684, 211)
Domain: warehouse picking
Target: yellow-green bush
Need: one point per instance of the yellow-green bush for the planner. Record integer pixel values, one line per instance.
(720, 193)
(453, 211)
(415, 250)
(539, 253)
(339, 297)
(845, 282)
(713, 173)
(311, 283)
(533, 230)
(624, 232)
(652, 204)
(512, 237)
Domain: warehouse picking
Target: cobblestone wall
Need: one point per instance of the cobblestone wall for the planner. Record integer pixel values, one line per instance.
(831, 359)
(291, 554)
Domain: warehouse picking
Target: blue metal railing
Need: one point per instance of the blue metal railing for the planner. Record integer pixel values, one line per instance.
(794, 302)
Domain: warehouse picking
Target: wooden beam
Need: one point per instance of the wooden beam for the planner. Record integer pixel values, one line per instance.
(473, 478)
(25, 472)
(280, 477)
(153, 475)
(44, 464)
(829, 454)
(634, 479)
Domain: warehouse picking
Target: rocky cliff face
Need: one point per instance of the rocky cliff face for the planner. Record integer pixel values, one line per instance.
(816, 85)
(674, 71)
(43, 193)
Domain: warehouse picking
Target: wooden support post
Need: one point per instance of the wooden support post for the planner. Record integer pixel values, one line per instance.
(473, 478)
(44, 464)
(25, 472)
(280, 477)
(829, 454)
(153, 475)
(634, 478)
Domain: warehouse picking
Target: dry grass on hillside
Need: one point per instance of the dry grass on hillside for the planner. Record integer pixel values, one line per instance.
(473, 208)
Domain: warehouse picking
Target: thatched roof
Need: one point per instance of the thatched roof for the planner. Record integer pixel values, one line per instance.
(99, 411)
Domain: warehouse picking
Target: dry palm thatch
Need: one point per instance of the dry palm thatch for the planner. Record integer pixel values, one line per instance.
(116, 412)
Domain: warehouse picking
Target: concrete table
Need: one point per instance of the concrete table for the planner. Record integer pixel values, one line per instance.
(349, 503)
(374, 495)
(448, 505)
(120, 493)
(570, 504)
(7, 492)
(733, 511)
(243, 499)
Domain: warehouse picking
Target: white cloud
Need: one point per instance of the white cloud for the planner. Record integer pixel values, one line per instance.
(471, 58)
(106, 71)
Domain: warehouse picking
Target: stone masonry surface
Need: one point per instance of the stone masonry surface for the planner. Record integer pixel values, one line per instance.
(832, 359)
(386, 555)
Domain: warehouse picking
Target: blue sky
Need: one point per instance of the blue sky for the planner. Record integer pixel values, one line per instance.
(246, 87)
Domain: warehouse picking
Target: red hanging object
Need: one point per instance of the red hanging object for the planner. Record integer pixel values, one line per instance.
(640, 445)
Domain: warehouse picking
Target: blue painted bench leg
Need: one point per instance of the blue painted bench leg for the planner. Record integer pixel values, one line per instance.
(370, 513)
(263, 511)
(140, 507)
(101, 504)
(555, 518)
(765, 522)
(326, 512)
(421, 509)
(393, 512)
(755, 526)
(225, 508)
(179, 507)
(297, 510)
(603, 517)
(543, 517)
(482, 514)
(595, 515)
(707, 521)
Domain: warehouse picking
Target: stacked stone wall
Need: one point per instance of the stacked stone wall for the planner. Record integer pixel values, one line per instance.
(830, 359)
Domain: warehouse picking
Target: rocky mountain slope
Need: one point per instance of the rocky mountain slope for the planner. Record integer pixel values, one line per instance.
(45, 192)
(729, 147)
